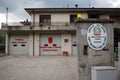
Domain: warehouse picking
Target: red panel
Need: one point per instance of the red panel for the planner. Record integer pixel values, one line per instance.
(65, 40)
(50, 40)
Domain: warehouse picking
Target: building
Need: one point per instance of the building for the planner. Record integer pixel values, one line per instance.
(52, 31)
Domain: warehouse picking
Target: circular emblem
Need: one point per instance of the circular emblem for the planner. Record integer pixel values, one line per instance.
(96, 36)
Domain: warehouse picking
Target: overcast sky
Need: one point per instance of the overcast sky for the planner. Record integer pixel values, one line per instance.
(17, 12)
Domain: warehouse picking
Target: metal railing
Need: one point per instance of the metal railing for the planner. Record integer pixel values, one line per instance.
(37, 24)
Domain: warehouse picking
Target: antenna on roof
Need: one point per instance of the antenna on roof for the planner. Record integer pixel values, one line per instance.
(89, 3)
(67, 5)
(63, 3)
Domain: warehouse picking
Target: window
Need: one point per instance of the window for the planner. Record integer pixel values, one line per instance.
(45, 18)
(74, 45)
(93, 16)
(54, 44)
(65, 40)
(115, 17)
(23, 45)
(73, 18)
(85, 50)
(15, 45)
(45, 44)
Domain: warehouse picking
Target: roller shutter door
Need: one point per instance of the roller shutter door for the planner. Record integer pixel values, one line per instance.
(50, 44)
(18, 44)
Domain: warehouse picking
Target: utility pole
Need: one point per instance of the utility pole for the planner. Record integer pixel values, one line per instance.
(7, 16)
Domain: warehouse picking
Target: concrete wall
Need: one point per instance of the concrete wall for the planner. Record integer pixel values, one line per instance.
(65, 17)
(58, 17)
(36, 43)
(66, 46)
(93, 58)
(31, 46)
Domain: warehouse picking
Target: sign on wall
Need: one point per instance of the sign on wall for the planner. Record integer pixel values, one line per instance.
(96, 36)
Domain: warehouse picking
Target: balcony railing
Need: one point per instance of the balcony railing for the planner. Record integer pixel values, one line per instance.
(36, 24)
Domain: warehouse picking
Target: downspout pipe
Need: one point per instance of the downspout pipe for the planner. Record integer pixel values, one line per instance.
(33, 30)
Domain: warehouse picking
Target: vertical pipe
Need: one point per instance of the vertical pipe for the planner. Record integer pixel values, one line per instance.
(33, 43)
(33, 31)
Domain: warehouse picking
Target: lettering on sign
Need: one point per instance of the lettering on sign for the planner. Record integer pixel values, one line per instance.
(18, 41)
(50, 50)
(96, 36)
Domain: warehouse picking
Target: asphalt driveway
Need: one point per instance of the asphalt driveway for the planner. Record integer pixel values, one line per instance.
(38, 68)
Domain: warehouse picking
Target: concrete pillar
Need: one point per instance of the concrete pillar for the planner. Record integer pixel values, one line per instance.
(119, 61)
(36, 43)
(31, 45)
(89, 57)
(6, 43)
(66, 46)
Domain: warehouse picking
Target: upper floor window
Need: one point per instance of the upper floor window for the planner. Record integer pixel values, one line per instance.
(45, 18)
(93, 16)
(73, 18)
(115, 17)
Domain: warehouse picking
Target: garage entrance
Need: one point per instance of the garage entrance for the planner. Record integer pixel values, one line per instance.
(50, 44)
(18, 44)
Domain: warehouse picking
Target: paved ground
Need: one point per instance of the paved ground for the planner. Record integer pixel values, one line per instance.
(38, 68)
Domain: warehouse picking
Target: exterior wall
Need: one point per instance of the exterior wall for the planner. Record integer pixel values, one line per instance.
(57, 17)
(31, 17)
(31, 46)
(60, 18)
(66, 46)
(37, 18)
(36, 43)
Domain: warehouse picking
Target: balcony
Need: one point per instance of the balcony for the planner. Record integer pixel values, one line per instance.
(38, 26)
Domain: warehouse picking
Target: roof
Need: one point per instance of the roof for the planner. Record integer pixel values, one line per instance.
(73, 10)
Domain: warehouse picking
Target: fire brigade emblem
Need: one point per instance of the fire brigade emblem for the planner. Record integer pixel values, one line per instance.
(96, 36)
(97, 31)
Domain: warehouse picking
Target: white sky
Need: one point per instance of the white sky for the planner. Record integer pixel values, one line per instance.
(17, 12)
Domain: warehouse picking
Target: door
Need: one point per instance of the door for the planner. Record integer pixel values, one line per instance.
(18, 44)
(50, 44)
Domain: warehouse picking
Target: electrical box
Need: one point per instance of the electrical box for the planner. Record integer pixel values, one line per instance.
(103, 73)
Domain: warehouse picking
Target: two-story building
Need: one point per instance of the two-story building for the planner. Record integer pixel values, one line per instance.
(52, 31)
